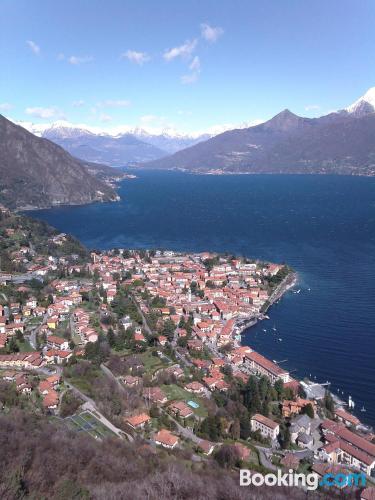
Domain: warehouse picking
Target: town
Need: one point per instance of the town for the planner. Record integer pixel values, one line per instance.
(145, 345)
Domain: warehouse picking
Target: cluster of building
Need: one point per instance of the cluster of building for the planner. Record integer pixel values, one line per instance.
(209, 299)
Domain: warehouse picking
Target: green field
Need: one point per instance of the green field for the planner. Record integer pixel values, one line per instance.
(151, 363)
(175, 392)
(86, 422)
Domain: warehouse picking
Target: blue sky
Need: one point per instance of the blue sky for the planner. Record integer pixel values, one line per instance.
(187, 64)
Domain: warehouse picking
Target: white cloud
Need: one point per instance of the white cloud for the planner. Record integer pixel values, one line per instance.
(33, 47)
(210, 33)
(46, 113)
(195, 68)
(312, 107)
(189, 78)
(78, 104)
(105, 118)
(113, 103)
(5, 106)
(184, 51)
(195, 64)
(136, 57)
(77, 60)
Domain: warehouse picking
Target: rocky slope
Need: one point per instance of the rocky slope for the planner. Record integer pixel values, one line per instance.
(36, 173)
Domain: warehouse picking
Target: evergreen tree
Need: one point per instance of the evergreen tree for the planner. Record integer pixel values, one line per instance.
(111, 337)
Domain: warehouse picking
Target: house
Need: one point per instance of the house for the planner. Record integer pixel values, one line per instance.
(57, 356)
(267, 427)
(131, 381)
(138, 421)
(54, 342)
(322, 469)
(264, 366)
(3, 340)
(305, 440)
(52, 322)
(291, 408)
(300, 425)
(290, 461)
(155, 395)
(344, 447)
(180, 409)
(195, 387)
(243, 451)
(206, 446)
(166, 439)
(139, 337)
(347, 418)
(51, 400)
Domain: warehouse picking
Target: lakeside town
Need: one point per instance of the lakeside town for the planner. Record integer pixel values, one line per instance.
(145, 346)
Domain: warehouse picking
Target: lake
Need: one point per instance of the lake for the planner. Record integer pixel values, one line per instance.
(322, 226)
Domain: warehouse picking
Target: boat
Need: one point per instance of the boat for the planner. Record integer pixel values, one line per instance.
(264, 330)
(363, 409)
(274, 328)
(280, 340)
(351, 403)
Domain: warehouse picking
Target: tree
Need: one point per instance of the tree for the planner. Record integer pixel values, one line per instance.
(169, 329)
(328, 402)
(251, 396)
(227, 456)
(13, 346)
(284, 436)
(69, 404)
(279, 387)
(111, 337)
(236, 429)
(245, 429)
(308, 410)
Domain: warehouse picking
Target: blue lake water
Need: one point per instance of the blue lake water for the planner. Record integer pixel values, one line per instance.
(323, 226)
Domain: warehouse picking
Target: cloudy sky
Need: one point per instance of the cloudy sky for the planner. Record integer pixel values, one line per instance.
(187, 64)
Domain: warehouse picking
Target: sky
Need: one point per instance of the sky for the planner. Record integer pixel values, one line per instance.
(191, 65)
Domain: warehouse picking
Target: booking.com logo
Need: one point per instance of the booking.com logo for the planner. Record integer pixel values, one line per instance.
(309, 481)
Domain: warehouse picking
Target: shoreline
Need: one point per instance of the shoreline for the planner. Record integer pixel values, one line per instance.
(242, 324)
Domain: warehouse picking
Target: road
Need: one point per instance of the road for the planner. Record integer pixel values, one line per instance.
(145, 324)
(32, 335)
(110, 375)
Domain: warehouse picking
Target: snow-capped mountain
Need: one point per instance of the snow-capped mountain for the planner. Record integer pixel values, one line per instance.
(118, 146)
(364, 105)
(341, 142)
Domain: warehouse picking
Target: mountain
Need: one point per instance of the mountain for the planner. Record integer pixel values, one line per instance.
(168, 141)
(364, 105)
(119, 146)
(340, 143)
(117, 151)
(36, 173)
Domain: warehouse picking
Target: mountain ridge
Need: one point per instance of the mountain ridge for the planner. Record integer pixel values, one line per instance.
(342, 142)
(36, 173)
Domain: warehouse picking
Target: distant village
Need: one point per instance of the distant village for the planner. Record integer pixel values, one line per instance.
(146, 345)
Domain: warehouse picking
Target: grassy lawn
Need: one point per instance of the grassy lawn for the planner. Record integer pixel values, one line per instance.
(34, 320)
(151, 363)
(175, 392)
